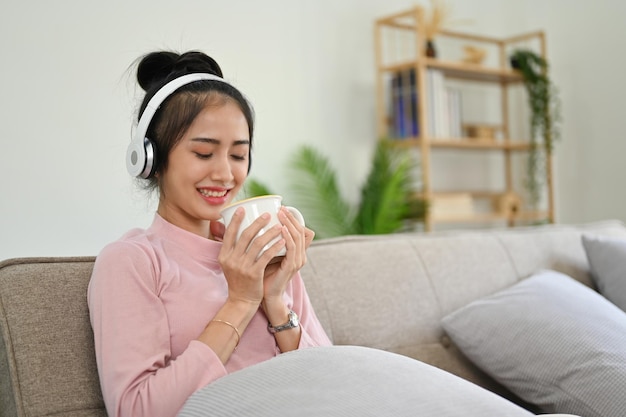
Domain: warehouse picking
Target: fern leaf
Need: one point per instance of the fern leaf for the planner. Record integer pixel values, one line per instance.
(255, 188)
(385, 194)
(316, 194)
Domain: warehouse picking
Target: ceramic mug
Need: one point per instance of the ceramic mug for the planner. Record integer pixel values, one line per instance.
(256, 206)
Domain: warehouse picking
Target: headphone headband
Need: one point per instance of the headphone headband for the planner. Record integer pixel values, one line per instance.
(140, 154)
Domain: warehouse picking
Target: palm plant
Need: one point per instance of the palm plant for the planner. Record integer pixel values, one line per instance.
(385, 201)
(314, 190)
(385, 196)
(254, 188)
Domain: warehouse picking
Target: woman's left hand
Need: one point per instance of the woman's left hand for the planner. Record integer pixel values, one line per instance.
(297, 240)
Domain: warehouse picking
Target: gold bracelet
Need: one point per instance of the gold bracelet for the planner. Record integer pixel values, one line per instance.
(234, 328)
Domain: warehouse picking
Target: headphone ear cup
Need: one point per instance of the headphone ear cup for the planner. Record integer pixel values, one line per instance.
(140, 158)
(150, 167)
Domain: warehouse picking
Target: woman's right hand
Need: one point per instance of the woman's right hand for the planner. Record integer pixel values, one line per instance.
(243, 267)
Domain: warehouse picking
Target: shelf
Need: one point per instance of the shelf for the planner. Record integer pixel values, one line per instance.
(461, 70)
(476, 194)
(491, 217)
(464, 143)
(473, 72)
(411, 87)
(459, 207)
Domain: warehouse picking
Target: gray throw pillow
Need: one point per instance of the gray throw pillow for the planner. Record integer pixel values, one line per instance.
(552, 341)
(607, 260)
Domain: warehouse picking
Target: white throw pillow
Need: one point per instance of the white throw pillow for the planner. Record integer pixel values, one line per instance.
(552, 341)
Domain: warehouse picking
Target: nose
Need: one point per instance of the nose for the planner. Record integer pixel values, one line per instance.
(221, 170)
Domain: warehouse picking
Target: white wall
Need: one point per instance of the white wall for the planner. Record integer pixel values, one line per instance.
(585, 44)
(67, 99)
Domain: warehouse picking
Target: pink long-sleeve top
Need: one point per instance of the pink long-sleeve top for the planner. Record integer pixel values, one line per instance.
(151, 295)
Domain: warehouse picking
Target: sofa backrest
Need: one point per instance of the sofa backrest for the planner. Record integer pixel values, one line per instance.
(391, 292)
(387, 292)
(47, 359)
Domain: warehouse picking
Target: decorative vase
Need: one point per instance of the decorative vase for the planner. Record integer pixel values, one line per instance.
(431, 52)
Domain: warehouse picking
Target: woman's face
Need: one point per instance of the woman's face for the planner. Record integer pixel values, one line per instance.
(206, 168)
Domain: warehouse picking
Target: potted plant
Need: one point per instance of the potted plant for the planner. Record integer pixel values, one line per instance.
(386, 200)
(545, 115)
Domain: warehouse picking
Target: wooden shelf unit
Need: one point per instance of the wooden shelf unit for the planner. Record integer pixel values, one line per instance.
(412, 56)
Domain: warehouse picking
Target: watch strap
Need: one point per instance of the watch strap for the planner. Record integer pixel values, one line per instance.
(291, 323)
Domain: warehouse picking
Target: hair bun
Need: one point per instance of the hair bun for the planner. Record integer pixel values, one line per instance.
(195, 61)
(157, 67)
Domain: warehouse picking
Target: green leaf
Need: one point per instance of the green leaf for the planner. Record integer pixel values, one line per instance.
(313, 186)
(385, 194)
(255, 188)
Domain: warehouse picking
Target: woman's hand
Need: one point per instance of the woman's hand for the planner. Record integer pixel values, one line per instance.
(243, 268)
(278, 274)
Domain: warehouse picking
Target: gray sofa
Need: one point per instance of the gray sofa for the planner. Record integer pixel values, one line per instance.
(385, 292)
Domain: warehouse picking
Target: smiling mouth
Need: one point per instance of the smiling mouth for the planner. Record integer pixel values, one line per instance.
(211, 193)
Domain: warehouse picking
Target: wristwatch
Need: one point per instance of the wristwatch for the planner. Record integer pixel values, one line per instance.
(292, 323)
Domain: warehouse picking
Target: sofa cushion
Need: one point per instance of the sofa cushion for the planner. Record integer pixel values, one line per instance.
(607, 260)
(552, 341)
(47, 362)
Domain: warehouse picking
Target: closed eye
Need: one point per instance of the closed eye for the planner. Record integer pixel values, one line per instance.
(203, 155)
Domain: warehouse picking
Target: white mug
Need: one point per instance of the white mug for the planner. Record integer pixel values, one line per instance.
(256, 206)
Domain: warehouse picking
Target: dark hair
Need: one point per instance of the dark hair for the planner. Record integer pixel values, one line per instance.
(180, 109)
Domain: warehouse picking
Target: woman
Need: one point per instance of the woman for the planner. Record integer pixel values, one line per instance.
(182, 303)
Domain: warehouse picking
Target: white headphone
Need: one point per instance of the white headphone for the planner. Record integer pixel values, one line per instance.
(140, 155)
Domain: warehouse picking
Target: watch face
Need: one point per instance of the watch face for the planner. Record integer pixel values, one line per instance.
(293, 319)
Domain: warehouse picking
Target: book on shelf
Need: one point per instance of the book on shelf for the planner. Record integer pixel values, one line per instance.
(443, 106)
(404, 105)
(455, 114)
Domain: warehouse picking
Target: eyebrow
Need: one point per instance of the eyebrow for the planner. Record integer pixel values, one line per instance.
(219, 142)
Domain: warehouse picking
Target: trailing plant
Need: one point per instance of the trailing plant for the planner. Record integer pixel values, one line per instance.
(545, 115)
(385, 199)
